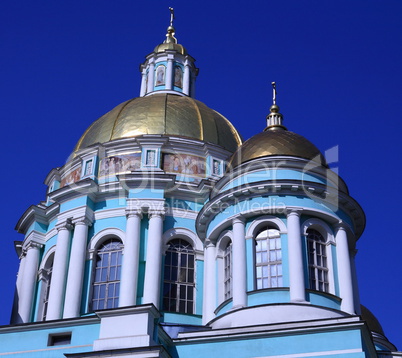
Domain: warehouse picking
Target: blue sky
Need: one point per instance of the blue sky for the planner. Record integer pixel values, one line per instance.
(338, 70)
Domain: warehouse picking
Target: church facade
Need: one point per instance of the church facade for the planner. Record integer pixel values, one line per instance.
(166, 235)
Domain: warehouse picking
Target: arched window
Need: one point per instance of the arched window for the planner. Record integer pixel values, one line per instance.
(268, 258)
(46, 274)
(106, 282)
(317, 261)
(178, 284)
(227, 269)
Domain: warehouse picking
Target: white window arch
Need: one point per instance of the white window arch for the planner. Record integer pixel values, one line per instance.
(104, 235)
(186, 234)
(319, 242)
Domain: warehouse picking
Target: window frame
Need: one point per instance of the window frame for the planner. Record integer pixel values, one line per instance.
(318, 271)
(178, 285)
(108, 283)
(326, 231)
(228, 271)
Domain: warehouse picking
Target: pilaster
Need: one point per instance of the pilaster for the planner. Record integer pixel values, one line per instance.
(153, 266)
(296, 269)
(239, 263)
(76, 268)
(209, 294)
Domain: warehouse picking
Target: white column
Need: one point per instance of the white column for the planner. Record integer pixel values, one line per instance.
(169, 74)
(186, 79)
(76, 268)
(209, 295)
(151, 77)
(296, 270)
(344, 270)
(29, 282)
(129, 271)
(18, 290)
(143, 90)
(153, 264)
(59, 273)
(239, 263)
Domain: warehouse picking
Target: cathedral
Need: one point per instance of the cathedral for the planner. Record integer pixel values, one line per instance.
(167, 235)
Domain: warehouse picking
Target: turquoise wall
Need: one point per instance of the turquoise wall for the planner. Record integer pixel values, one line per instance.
(274, 174)
(76, 203)
(272, 201)
(284, 345)
(33, 343)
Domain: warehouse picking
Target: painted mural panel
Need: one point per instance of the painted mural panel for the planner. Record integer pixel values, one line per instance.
(178, 77)
(71, 177)
(160, 76)
(184, 164)
(120, 164)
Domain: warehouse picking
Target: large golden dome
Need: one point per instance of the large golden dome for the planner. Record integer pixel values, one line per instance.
(166, 114)
(277, 142)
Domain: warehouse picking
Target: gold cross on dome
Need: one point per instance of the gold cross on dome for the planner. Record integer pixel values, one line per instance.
(273, 92)
(171, 16)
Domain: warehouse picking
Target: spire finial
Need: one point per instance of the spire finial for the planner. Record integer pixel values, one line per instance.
(170, 30)
(274, 118)
(171, 16)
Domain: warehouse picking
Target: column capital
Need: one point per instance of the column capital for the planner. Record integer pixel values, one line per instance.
(82, 221)
(156, 213)
(33, 245)
(134, 212)
(64, 225)
(293, 211)
(208, 243)
(340, 225)
(239, 219)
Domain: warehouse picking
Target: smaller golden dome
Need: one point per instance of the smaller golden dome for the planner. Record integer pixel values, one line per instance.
(275, 142)
(371, 320)
(170, 42)
(170, 46)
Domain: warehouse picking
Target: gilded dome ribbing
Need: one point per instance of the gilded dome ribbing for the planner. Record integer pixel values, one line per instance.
(165, 114)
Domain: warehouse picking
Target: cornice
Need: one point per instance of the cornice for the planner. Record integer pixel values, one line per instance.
(279, 163)
(181, 213)
(53, 174)
(85, 187)
(62, 323)
(146, 180)
(36, 213)
(34, 239)
(76, 215)
(316, 191)
(123, 311)
(109, 213)
(271, 329)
